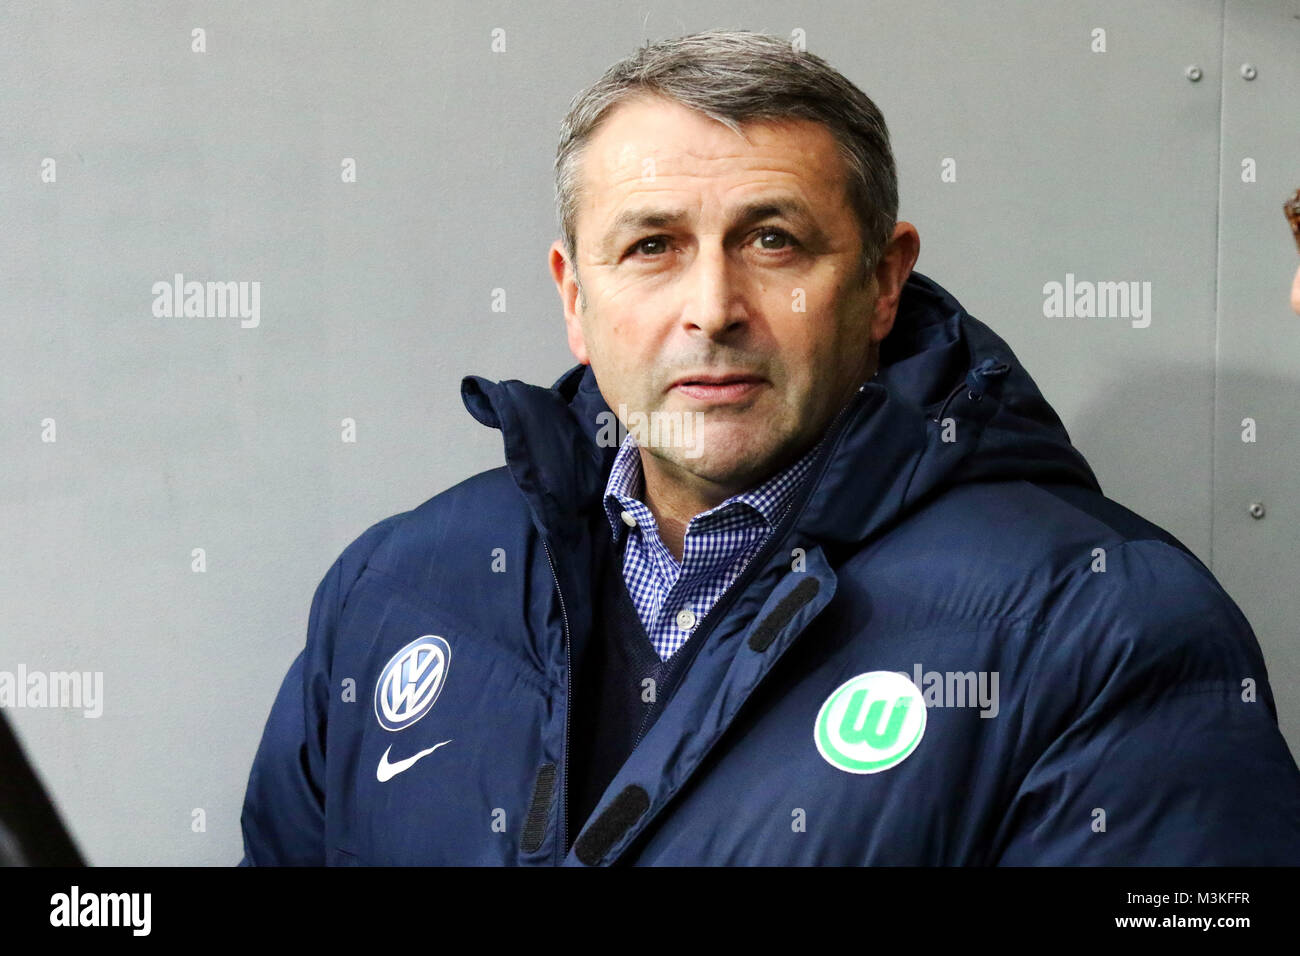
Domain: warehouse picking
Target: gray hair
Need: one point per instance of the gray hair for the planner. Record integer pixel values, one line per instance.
(735, 77)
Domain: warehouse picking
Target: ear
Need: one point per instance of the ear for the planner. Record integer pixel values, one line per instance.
(567, 286)
(891, 275)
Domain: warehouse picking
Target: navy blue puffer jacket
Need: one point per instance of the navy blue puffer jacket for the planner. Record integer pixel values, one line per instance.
(953, 650)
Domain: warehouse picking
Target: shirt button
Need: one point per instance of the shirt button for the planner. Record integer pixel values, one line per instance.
(628, 519)
(686, 619)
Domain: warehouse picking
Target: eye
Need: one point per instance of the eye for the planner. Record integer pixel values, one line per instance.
(781, 233)
(636, 246)
(658, 243)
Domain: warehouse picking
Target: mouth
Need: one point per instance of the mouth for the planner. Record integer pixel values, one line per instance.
(718, 388)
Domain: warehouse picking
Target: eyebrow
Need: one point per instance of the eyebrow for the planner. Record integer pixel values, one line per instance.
(654, 217)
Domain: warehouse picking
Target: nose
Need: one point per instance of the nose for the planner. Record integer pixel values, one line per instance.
(713, 301)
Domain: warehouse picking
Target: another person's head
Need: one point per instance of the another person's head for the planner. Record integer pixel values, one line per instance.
(728, 208)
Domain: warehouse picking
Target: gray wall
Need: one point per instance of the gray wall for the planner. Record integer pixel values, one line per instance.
(375, 298)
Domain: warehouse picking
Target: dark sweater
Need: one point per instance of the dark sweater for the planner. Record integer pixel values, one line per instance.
(610, 710)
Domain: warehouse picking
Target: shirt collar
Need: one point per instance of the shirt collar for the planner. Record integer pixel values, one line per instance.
(626, 485)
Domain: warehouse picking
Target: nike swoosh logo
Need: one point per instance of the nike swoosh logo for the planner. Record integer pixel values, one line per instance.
(387, 771)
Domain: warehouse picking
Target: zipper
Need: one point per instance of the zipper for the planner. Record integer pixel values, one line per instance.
(720, 606)
(775, 539)
(568, 706)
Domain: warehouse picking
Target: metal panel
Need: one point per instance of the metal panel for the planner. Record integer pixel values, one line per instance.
(1257, 558)
(1070, 161)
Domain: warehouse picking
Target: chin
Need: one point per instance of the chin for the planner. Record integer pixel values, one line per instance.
(719, 443)
(724, 465)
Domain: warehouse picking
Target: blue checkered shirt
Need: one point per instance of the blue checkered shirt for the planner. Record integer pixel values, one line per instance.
(672, 599)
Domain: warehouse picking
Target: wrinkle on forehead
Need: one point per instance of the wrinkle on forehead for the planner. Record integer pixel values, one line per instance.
(651, 145)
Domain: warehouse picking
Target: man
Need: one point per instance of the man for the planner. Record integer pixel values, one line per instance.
(843, 594)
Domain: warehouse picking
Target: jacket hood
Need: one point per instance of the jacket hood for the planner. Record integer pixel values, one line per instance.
(949, 404)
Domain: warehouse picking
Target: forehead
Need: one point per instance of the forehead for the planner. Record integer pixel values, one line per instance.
(649, 144)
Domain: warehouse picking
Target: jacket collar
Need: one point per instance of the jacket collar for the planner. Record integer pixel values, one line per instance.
(951, 403)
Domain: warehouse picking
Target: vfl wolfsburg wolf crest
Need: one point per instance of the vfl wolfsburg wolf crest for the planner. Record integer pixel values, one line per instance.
(870, 723)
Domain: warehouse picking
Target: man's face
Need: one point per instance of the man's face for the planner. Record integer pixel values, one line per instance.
(721, 277)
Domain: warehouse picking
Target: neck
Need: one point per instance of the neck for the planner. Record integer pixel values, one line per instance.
(675, 496)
